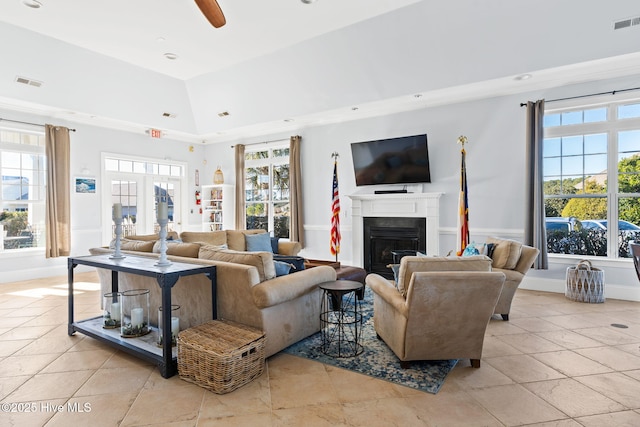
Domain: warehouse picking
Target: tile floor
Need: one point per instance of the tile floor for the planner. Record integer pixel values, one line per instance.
(555, 363)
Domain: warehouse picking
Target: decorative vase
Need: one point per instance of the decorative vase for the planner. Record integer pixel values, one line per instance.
(218, 177)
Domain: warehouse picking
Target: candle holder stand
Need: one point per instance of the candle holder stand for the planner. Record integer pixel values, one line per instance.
(163, 261)
(117, 254)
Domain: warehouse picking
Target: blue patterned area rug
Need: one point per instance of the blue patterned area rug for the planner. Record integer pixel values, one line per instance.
(377, 360)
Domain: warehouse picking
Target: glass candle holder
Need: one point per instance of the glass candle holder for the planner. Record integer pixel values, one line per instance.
(112, 310)
(175, 325)
(135, 313)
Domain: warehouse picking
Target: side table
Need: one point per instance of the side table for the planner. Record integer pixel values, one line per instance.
(341, 318)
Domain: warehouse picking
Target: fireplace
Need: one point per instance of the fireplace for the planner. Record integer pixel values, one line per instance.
(387, 239)
(424, 207)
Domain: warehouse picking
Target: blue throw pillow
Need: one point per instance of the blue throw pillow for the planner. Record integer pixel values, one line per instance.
(274, 244)
(282, 268)
(395, 268)
(470, 250)
(258, 242)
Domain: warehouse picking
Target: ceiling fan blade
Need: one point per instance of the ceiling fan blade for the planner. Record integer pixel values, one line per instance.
(211, 10)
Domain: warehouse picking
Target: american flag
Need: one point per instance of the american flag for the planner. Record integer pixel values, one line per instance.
(463, 210)
(335, 214)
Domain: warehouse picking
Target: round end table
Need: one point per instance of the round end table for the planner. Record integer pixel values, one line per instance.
(341, 318)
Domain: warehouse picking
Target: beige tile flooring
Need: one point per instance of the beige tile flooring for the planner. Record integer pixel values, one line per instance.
(555, 363)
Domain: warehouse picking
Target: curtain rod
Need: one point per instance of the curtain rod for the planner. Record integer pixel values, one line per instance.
(26, 123)
(264, 142)
(611, 92)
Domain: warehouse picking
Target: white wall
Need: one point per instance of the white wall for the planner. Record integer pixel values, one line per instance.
(87, 144)
(495, 162)
(495, 129)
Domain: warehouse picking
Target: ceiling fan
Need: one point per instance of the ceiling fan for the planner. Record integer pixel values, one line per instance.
(211, 10)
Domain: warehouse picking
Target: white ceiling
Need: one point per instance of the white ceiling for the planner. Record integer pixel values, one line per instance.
(130, 29)
(102, 62)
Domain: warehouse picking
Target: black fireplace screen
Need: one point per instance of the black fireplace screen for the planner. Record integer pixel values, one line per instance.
(387, 240)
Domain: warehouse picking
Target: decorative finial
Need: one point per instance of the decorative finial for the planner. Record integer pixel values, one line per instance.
(462, 140)
(335, 155)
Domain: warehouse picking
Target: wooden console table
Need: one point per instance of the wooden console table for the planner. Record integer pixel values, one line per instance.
(166, 277)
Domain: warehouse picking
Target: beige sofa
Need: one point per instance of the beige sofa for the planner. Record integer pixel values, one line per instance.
(286, 308)
(438, 309)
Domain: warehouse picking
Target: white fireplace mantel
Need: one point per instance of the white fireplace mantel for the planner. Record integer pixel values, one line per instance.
(414, 205)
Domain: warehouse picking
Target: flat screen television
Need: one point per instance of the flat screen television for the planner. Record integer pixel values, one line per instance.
(403, 160)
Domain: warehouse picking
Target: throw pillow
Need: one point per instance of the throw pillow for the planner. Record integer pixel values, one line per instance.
(506, 253)
(470, 250)
(274, 244)
(282, 268)
(189, 250)
(395, 268)
(296, 261)
(258, 242)
(136, 245)
(263, 261)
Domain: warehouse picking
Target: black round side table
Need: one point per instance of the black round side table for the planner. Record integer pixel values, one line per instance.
(341, 318)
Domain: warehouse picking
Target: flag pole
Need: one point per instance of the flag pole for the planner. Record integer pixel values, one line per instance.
(463, 203)
(335, 209)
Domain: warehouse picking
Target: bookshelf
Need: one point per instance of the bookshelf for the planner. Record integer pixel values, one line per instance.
(218, 207)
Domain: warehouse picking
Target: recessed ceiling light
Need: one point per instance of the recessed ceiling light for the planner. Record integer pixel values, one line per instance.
(34, 4)
(223, 114)
(354, 108)
(308, 1)
(160, 39)
(170, 56)
(523, 77)
(288, 120)
(417, 95)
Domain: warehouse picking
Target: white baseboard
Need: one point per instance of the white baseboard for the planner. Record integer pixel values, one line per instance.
(558, 286)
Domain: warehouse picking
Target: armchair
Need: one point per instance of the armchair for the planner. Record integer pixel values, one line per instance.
(514, 260)
(441, 314)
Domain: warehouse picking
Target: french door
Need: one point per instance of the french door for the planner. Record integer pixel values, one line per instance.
(139, 196)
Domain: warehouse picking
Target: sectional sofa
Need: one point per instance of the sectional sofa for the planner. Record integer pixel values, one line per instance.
(286, 308)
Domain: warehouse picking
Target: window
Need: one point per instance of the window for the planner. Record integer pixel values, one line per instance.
(139, 184)
(23, 171)
(267, 188)
(591, 172)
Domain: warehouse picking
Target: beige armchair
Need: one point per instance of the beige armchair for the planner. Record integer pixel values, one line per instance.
(438, 314)
(514, 260)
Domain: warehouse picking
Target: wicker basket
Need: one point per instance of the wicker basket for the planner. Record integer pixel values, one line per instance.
(220, 355)
(585, 283)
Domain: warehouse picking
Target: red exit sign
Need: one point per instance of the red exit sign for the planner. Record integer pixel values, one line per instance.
(155, 133)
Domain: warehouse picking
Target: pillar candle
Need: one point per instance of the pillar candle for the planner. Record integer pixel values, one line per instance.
(163, 212)
(115, 311)
(117, 211)
(175, 326)
(137, 317)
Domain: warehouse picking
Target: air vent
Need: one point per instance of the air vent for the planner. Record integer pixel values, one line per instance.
(626, 23)
(26, 81)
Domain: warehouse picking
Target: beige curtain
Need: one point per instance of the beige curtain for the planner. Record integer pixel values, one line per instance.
(535, 230)
(241, 214)
(296, 226)
(58, 211)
